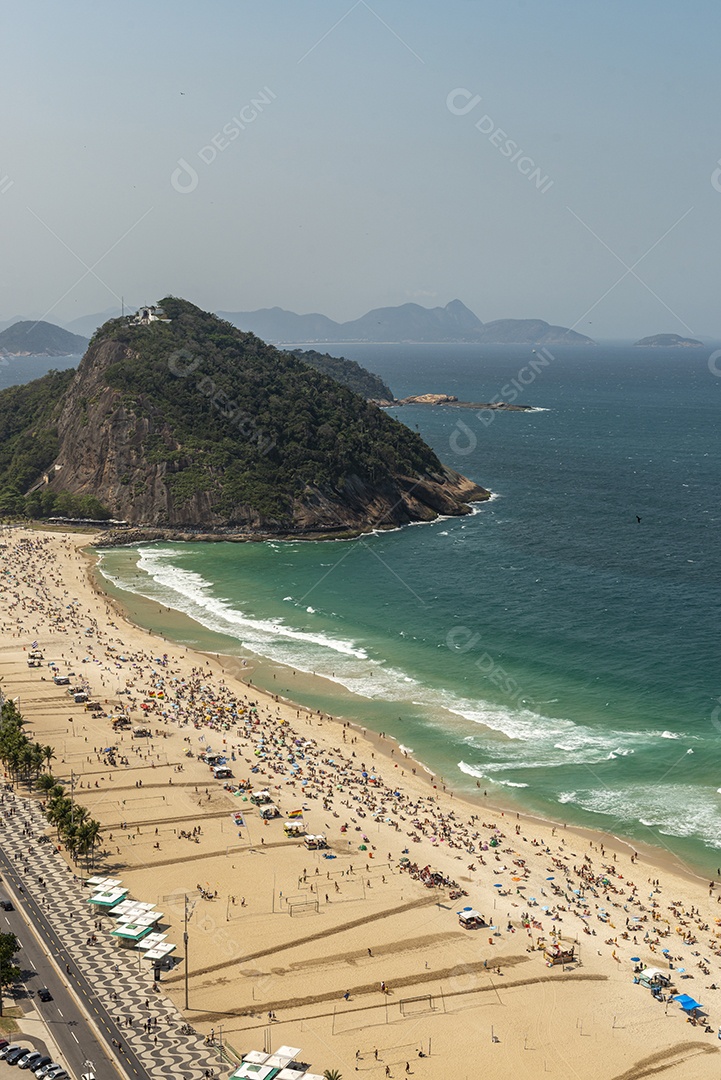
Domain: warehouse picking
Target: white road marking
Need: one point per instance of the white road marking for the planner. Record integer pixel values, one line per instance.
(74, 1036)
(60, 1011)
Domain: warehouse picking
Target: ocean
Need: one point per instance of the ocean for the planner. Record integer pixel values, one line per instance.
(552, 649)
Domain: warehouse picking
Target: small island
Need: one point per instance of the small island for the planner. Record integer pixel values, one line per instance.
(668, 341)
(452, 400)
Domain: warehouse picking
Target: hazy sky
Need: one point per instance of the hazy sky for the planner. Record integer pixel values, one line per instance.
(353, 184)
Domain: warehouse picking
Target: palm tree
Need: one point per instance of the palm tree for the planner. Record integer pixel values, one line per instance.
(332, 1074)
(49, 755)
(87, 834)
(45, 783)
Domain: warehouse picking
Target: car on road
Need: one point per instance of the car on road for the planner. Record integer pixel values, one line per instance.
(44, 994)
(6, 905)
(8, 1049)
(29, 1061)
(14, 1056)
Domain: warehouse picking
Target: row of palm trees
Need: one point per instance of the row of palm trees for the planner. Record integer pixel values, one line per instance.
(23, 760)
(75, 828)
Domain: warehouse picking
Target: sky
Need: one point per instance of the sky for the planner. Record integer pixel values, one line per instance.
(555, 160)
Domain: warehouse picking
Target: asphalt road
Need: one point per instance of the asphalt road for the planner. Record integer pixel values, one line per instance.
(71, 1031)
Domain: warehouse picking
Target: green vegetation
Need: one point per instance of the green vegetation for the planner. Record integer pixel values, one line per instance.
(245, 424)
(29, 445)
(347, 373)
(235, 431)
(9, 971)
(24, 760)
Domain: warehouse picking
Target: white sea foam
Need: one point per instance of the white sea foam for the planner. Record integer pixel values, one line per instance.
(510, 737)
(671, 809)
(189, 592)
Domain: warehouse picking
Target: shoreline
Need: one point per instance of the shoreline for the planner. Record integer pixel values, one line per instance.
(352, 953)
(655, 854)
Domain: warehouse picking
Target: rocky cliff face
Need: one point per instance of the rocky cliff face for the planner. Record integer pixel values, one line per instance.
(109, 440)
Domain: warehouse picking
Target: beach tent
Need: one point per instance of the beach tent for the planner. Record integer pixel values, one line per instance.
(688, 1004)
(255, 1057)
(250, 1071)
(471, 919)
(160, 951)
(654, 974)
(282, 1057)
(152, 941)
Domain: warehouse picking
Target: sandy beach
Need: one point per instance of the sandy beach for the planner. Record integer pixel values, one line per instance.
(354, 954)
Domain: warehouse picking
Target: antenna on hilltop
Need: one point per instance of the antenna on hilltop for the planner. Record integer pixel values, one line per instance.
(122, 301)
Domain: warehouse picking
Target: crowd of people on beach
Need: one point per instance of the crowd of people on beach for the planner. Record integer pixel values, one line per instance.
(550, 893)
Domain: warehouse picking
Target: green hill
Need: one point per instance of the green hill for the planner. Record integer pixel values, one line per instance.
(40, 339)
(347, 373)
(193, 424)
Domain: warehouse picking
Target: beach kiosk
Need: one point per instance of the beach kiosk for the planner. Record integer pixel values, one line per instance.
(316, 841)
(131, 933)
(554, 955)
(261, 798)
(294, 829)
(269, 811)
(470, 919)
(108, 898)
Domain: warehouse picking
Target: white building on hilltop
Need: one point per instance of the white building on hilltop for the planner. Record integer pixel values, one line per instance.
(150, 313)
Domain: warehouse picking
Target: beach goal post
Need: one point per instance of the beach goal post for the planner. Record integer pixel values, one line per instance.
(302, 907)
(414, 1006)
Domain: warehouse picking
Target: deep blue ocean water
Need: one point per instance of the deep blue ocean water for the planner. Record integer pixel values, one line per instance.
(551, 648)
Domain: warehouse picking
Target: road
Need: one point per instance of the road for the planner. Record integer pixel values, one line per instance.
(71, 1031)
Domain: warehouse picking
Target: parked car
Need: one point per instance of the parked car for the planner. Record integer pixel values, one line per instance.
(28, 1061)
(54, 1071)
(42, 1070)
(44, 994)
(4, 1043)
(41, 1064)
(14, 1056)
(62, 1075)
(8, 1049)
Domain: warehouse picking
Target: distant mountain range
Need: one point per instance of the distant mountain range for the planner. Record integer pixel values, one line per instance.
(408, 322)
(40, 339)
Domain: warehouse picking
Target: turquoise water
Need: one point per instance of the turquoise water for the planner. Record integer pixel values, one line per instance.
(550, 647)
